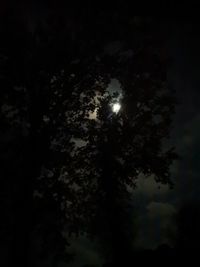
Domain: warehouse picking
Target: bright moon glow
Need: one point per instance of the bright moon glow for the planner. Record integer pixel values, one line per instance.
(116, 107)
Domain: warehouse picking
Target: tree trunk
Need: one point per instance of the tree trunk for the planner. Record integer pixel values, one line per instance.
(113, 210)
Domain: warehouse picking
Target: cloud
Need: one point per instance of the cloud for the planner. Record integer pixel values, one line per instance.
(159, 209)
(149, 187)
(156, 226)
(86, 252)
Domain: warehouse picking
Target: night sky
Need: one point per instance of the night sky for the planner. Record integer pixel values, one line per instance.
(161, 216)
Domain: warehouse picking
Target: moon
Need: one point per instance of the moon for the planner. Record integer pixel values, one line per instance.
(116, 107)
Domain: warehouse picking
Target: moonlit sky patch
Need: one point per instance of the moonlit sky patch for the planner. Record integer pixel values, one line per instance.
(116, 107)
(113, 87)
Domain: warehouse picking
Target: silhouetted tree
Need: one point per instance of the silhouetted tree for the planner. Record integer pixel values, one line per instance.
(75, 171)
(117, 148)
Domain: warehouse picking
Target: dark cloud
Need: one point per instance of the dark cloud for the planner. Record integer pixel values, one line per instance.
(184, 77)
(155, 225)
